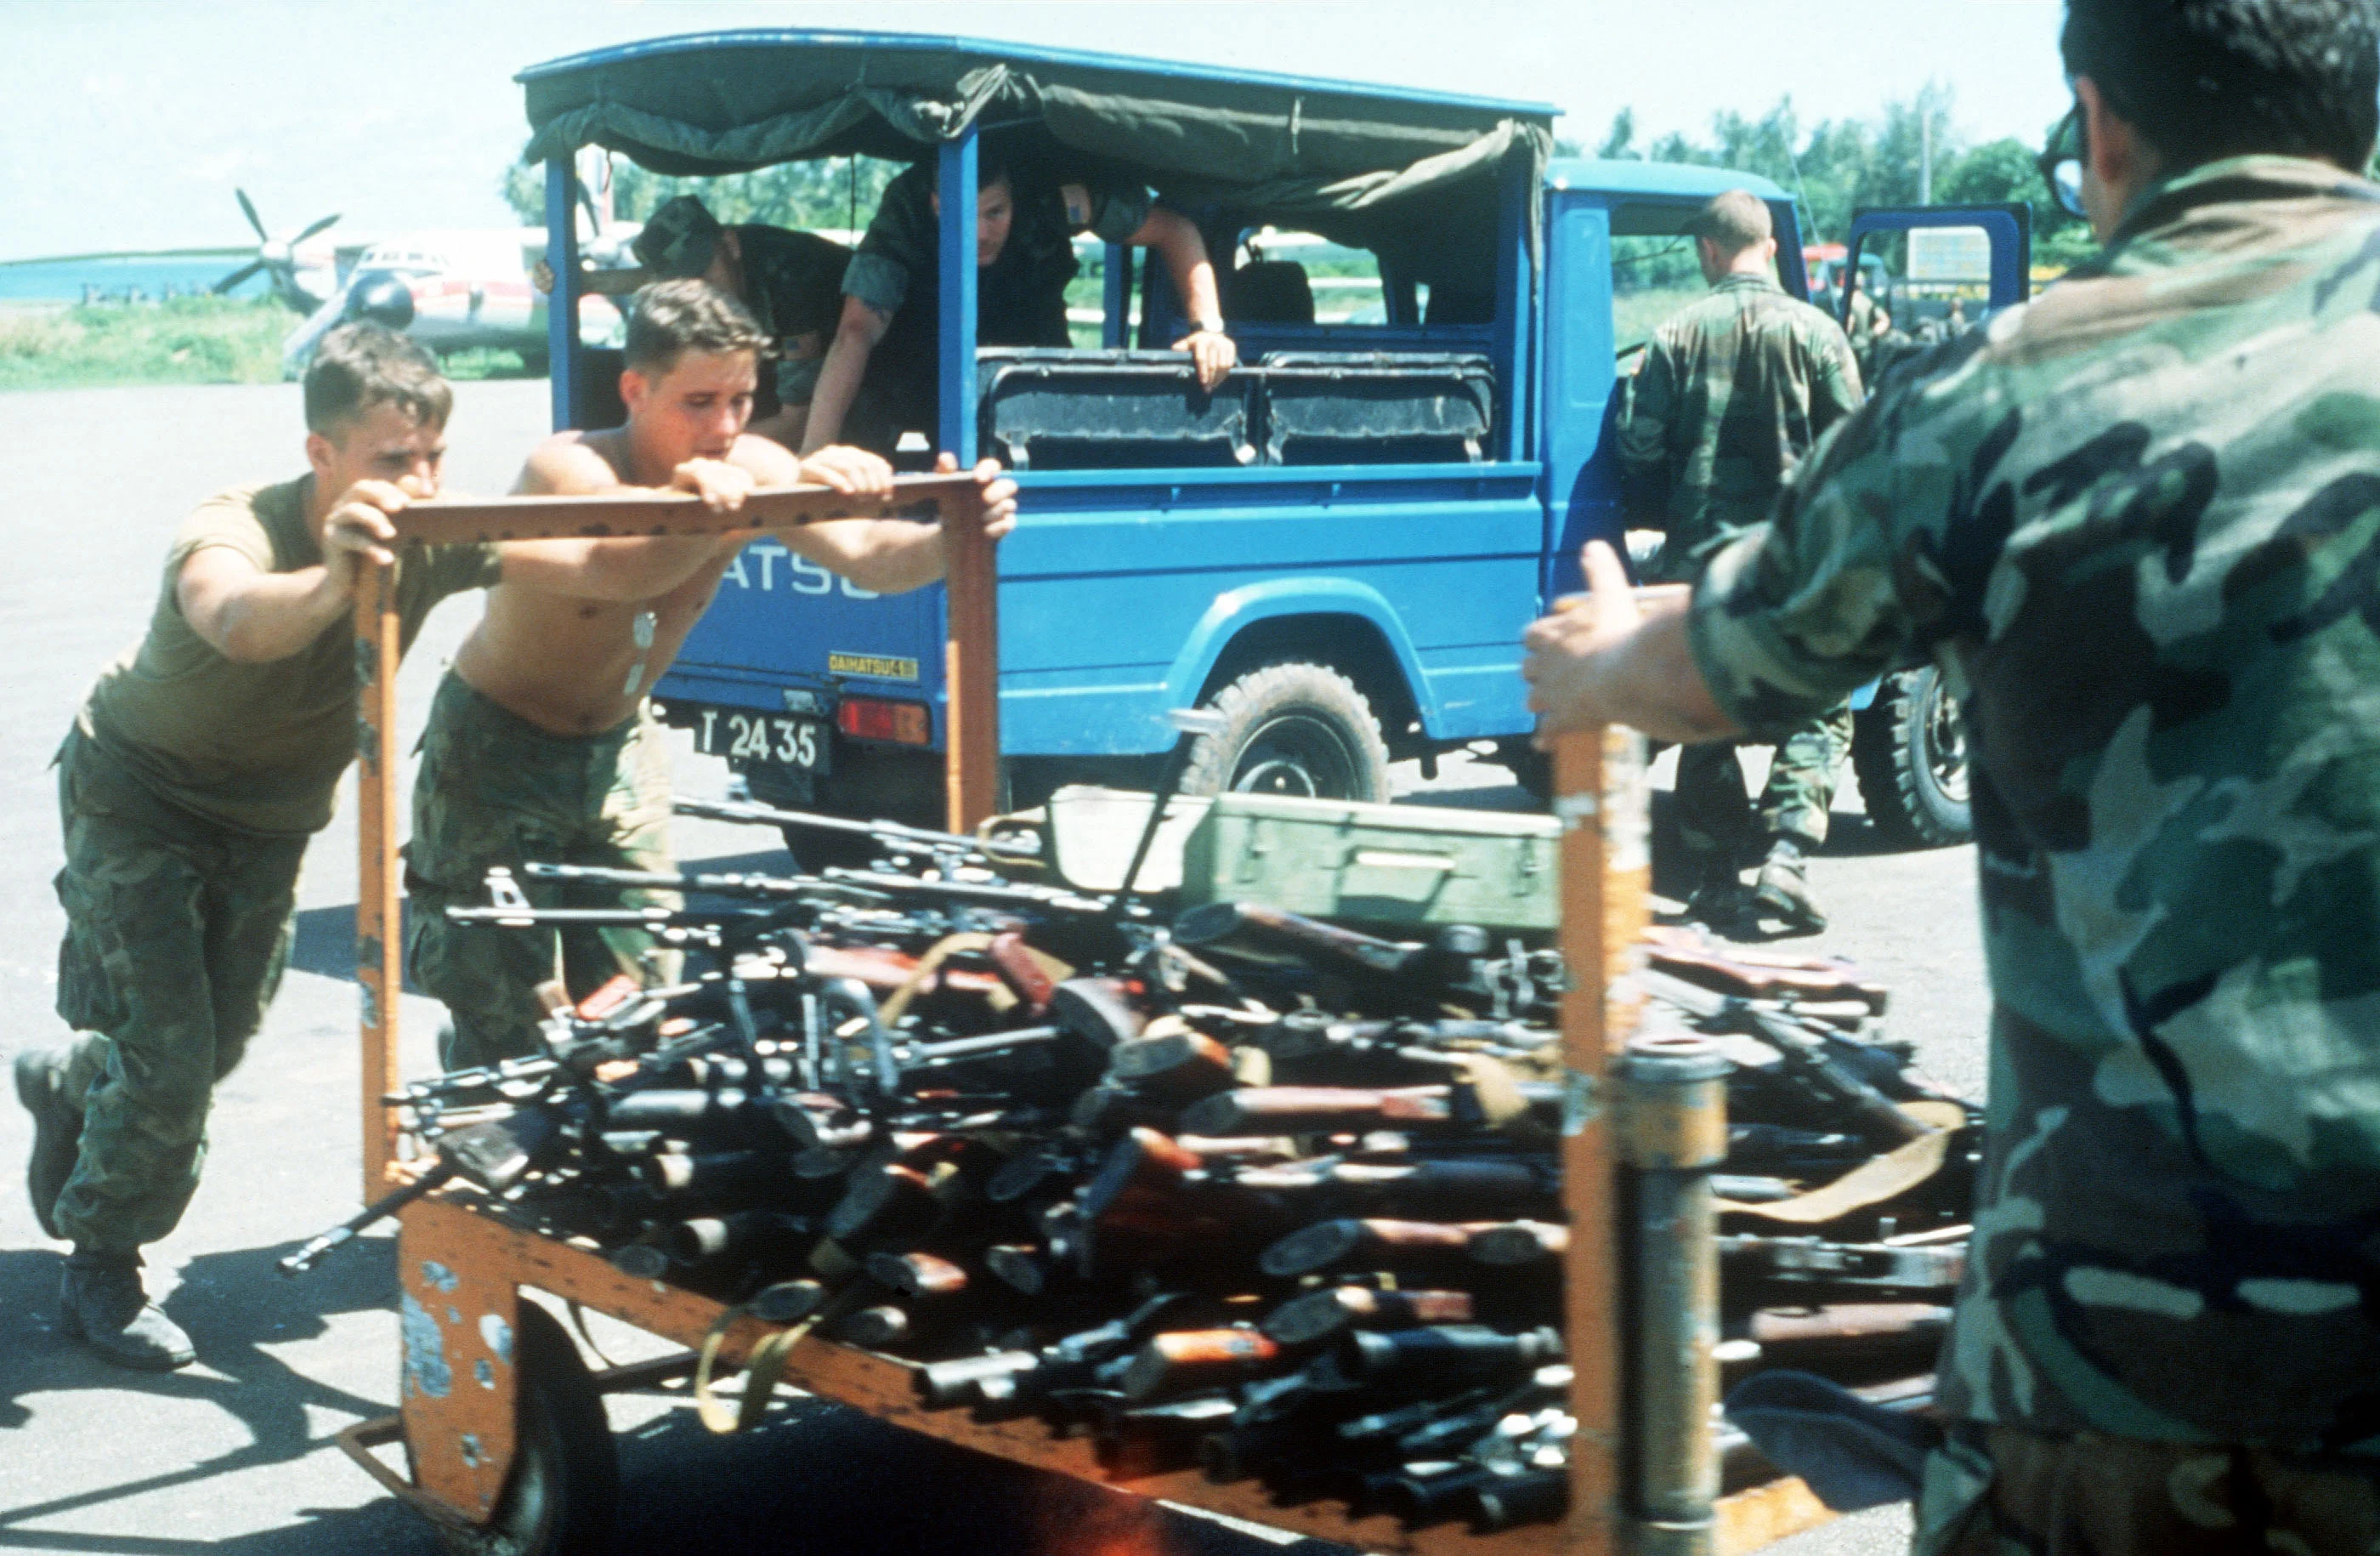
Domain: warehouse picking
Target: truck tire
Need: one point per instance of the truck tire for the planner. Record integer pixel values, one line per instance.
(562, 1496)
(1910, 752)
(1296, 729)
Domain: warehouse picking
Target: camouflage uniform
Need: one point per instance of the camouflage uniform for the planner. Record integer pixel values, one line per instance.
(176, 935)
(1020, 296)
(1733, 391)
(2138, 523)
(792, 282)
(496, 790)
(187, 790)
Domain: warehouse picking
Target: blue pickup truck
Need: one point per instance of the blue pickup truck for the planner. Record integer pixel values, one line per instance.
(1337, 549)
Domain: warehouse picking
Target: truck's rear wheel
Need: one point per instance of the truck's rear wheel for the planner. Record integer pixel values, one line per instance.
(562, 1495)
(1293, 729)
(1909, 751)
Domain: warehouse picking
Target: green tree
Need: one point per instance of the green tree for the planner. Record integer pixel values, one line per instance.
(1620, 140)
(2006, 171)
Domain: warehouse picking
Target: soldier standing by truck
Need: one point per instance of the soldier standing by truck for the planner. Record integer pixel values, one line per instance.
(2137, 517)
(199, 764)
(1733, 391)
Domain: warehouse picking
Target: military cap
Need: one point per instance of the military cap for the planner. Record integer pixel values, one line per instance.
(679, 239)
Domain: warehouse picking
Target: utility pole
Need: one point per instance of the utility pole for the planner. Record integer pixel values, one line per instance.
(1924, 152)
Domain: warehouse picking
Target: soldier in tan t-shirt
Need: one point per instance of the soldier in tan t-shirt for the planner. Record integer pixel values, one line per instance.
(198, 767)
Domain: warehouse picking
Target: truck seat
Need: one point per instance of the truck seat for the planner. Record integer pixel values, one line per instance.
(1043, 408)
(1269, 292)
(1377, 407)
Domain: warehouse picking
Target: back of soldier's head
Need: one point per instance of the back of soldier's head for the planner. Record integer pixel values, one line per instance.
(1733, 221)
(2201, 80)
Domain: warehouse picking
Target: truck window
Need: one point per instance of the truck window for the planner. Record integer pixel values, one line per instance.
(1300, 278)
(1938, 276)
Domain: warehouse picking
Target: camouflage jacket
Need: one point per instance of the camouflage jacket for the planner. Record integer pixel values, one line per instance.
(2138, 521)
(1734, 389)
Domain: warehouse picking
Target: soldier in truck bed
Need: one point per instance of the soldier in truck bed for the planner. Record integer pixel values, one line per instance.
(880, 374)
(791, 282)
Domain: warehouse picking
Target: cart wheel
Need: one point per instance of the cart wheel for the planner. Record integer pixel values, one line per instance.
(563, 1495)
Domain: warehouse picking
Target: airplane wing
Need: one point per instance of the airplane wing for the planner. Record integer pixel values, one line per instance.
(228, 253)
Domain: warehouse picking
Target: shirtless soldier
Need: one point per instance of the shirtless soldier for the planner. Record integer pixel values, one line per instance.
(540, 744)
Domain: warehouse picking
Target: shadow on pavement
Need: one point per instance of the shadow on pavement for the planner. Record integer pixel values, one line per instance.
(233, 1305)
(817, 1478)
(324, 942)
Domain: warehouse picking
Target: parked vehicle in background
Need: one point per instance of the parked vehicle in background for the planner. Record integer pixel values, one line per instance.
(1336, 550)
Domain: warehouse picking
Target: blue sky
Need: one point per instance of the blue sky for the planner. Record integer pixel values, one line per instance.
(128, 123)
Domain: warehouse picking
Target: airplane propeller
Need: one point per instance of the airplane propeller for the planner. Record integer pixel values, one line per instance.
(274, 256)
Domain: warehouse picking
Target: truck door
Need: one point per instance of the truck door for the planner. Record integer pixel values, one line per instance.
(1949, 266)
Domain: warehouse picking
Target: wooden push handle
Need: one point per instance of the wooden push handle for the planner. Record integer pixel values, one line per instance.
(971, 664)
(671, 512)
(380, 919)
(1601, 799)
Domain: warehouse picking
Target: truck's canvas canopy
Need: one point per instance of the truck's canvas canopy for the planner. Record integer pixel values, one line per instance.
(1342, 160)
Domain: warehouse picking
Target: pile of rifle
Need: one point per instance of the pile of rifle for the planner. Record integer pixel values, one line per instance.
(1226, 1186)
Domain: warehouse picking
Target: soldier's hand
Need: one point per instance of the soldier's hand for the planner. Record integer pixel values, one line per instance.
(722, 486)
(1214, 353)
(359, 529)
(848, 470)
(999, 492)
(541, 275)
(1565, 667)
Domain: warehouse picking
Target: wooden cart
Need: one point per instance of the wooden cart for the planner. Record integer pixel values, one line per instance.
(499, 1416)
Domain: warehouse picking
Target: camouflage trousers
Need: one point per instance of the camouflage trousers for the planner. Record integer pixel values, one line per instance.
(1715, 813)
(496, 790)
(2000, 1492)
(178, 930)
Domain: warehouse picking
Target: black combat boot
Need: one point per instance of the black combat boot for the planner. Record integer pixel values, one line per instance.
(57, 1129)
(1783, 890)
(1720, 901)
(101, 1303)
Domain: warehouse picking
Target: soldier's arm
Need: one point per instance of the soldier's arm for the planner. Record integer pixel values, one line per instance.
(253, 616)
(628, 568)
(856, 336)
(1835, 387)
(892, 555)
(1606, 660)
(1644, 442)
(1794, 614)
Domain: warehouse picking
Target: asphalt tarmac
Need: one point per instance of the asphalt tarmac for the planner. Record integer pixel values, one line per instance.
(234, 1454)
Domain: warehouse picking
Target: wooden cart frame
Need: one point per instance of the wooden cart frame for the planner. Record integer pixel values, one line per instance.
(462, 1272)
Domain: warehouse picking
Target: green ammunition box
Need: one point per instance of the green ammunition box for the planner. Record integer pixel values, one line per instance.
(1383, 864)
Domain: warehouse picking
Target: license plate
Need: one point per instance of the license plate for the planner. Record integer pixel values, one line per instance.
(766, 739)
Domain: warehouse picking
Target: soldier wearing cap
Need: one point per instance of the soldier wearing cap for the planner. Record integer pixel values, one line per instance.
(2137, 523)
(1732, 393)
(791, 282)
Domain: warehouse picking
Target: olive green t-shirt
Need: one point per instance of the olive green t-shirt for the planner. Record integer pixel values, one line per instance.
(259, 747)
